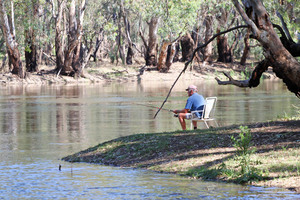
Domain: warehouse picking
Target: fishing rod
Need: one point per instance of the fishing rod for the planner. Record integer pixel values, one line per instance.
(151, 106)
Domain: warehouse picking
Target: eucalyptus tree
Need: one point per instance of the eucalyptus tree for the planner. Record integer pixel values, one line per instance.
(167, 20)
(224, 51)
(9, 33)
(70, 58)
(278, 54)
(30, 25)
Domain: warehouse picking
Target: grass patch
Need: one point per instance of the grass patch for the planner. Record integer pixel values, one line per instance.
(219, 153)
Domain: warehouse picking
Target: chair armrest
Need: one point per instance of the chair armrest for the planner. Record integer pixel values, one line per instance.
(198, 111)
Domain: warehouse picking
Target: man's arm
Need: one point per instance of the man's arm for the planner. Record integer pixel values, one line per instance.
(181, 111)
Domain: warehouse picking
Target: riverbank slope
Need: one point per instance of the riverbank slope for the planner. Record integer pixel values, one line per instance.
(206, 153)
(98, 73)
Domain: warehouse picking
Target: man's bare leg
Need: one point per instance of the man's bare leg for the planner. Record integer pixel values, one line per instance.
(182, 117)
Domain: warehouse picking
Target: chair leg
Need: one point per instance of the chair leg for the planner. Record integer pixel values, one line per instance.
(206, 124)
(216, 123)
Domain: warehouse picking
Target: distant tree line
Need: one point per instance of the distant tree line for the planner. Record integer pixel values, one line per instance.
(69, 34)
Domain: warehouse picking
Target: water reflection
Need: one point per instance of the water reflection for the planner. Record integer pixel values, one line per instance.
(40, 125)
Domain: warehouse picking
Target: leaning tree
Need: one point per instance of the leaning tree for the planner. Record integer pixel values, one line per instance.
(279, 52)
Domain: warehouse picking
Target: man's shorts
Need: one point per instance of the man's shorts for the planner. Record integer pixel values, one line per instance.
(189, 115)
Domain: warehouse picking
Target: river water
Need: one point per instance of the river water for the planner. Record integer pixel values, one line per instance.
(41, 124)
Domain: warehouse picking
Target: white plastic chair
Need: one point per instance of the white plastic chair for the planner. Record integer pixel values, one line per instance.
(207, 112)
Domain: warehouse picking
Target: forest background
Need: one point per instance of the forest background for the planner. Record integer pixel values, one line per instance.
(70, 35)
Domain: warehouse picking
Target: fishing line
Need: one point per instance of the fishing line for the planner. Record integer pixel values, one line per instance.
(152, 106)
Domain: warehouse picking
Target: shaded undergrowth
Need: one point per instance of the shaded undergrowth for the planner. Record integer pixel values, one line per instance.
(206, 154)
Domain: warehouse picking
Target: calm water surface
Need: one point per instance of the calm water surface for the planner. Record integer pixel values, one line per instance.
(40, 125)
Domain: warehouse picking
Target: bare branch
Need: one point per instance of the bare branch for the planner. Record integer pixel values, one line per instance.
(49, 57)
(286, 30)
(248, 21)
(253, 81)
(231, 81)
(13, 19)
(143, 38)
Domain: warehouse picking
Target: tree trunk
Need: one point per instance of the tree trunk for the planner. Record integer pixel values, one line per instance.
(224, 53)
(152, 47)
(277, 56)
(119, 38)
(161, 66)
(31, 48)
(171, 55)
(187, 47)
(72, 41)
(130, 52)
(30, 52)
(129, 56)
(207, 51)
(11, 44)
(59, 47)
(166, 56)
(98, 44)
(69, 61)
(246, 49)
(176, 53)
(1, 44)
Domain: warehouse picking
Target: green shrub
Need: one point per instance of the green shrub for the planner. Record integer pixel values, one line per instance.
(244, 151)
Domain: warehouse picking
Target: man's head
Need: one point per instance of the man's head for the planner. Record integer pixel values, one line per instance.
(191, 89)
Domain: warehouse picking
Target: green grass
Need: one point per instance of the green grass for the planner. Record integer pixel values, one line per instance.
(206, 154)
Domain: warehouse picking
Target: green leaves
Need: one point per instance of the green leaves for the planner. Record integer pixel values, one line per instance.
(244, 151)
(243, 143)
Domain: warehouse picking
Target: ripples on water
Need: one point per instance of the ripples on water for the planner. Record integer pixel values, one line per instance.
(40, 125)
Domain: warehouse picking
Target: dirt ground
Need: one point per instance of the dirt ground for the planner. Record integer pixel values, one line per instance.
(105, 71)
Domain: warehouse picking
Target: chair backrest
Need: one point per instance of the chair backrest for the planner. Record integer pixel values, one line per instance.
(210, 106)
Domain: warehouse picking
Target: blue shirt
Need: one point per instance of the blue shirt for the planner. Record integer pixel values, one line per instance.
(195, 102)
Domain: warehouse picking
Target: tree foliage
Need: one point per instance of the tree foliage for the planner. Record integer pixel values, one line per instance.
(104, 31)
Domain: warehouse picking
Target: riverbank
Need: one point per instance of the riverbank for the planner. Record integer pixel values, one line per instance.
(98, 73)
(202, 153)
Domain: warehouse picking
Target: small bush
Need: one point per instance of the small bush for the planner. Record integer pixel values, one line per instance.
(244, 151)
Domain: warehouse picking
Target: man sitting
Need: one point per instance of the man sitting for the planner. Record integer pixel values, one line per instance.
(194, 102)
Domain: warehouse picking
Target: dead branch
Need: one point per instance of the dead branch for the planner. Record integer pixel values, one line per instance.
(231, 81)
(49, 57)
(286, 30)
(288, 43)
(253, 81)
(143, 38)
